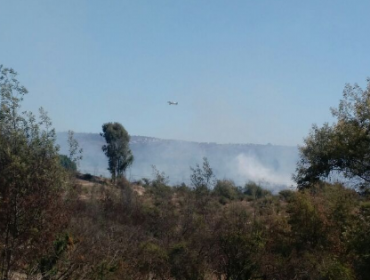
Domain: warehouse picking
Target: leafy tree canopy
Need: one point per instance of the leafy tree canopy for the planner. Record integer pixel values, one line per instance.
(117, 149)
(31, 180)
(67, 163)
(341, 149)
(202, 178)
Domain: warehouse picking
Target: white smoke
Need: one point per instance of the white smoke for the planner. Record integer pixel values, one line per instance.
(268, 165)
(250, 168)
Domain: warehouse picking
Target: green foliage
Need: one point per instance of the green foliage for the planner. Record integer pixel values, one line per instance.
(286, 194)
(75, 153)
(183, 263)
(103, 270)
(31, 180)
(87, 177)
(68, 164)
(166, 233)
(334, 269)
(255, 191)
(117, 149)
(159, 187)
(361, 241)
(340, 149)
(202, 178)
(160, 178)
(308, 222)
(238, 250)
(153, 259)
(47, 263)
(226, 191)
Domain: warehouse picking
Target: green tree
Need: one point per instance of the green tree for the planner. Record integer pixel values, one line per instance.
(67, 163)
(117, 149)
(31, 181)
(226, 190)
(71, 162)
(254, 190)
(203, 178)
(343, 148)
(75, 152)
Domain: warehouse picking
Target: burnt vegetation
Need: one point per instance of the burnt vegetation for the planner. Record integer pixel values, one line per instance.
(56, 223)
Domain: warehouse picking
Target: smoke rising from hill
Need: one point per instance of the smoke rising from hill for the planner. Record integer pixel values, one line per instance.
(250, 168)
(269, 165)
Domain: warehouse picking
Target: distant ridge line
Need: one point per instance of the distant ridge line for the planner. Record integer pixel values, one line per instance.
(156, 139)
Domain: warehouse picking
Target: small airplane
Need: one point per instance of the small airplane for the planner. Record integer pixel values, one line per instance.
(172, 103)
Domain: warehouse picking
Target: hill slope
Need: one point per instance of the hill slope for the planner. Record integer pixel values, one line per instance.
(268, 164)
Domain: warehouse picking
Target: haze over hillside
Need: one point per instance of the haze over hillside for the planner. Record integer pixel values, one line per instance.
(269, 165)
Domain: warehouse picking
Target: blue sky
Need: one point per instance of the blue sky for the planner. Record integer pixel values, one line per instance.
(242, 71)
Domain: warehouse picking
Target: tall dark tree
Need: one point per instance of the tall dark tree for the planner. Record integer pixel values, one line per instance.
(117, 149)
(343, 148)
